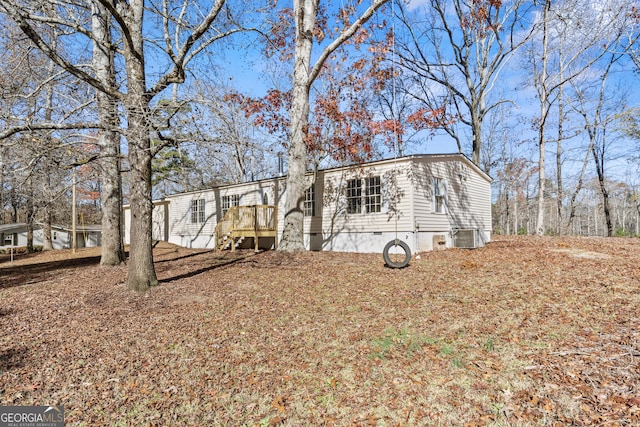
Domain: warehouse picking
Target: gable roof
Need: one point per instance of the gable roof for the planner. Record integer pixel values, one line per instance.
(12, 227)
(17, 227)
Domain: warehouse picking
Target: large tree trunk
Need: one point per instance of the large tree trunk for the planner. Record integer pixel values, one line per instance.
(15, 204)
(141, 270)
(303, 76)
(142, 274)
(112, 252)
(477, 138)
(292, 233)
(478, 109)
(109, 141)
(47, 241)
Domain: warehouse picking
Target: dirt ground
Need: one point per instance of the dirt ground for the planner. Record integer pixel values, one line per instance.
(526, 331)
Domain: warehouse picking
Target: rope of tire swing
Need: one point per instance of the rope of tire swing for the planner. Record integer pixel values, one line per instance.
(396, 242)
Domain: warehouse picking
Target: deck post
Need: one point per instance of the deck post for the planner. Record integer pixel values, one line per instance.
(275, 227)
(255, 228)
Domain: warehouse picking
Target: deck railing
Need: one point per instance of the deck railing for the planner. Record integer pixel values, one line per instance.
(247, 221)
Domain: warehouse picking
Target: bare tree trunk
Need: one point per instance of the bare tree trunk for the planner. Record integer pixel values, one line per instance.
(478, 109)
(599, 161)
(47, 241)
(141, 270)
(142, 273)
(541, 177)
(112, 252)
(543, 118)
(560, 189)
(598, 146)
(30, 212)
(574, 195)
(191, 38)
(303, 77)
(515, 215)
(13, 197)
(476, 125)
(507, 215)
(292, 233)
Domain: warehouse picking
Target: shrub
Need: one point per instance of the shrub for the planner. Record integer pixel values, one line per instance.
(620, 232)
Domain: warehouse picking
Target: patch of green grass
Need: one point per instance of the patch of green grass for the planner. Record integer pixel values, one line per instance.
(489, 344)
(398, 340)
(446, 349)
(553, 335)
(457, 362)
(326, 400)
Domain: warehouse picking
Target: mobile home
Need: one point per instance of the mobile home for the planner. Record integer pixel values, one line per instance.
(429, 201)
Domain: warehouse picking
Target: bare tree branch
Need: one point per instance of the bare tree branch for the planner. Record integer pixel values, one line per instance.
(344, 36)
(46, 126)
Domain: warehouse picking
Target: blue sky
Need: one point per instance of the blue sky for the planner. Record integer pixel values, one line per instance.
(242, 65)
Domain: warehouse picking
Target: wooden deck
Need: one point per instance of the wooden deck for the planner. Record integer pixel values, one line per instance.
(241, 222)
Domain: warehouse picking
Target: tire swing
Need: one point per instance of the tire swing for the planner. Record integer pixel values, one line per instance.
(394, 259)
(396, 253)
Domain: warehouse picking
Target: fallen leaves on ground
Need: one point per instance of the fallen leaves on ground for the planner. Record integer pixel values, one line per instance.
(525, 331)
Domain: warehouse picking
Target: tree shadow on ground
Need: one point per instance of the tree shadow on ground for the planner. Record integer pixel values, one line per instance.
(26, 274)
(6, 311)
(21, 255)
(12, 358)
(182, 256)
(218, 263)
(34, 273)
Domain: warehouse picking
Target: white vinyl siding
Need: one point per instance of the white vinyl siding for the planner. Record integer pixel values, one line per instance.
(467, 196)
(180, 229)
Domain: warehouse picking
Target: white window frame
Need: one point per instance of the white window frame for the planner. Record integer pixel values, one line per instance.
(8, 239)
(373, 194)
(439, 198)
(309, 204)
(354, 196)
(229, 201)
(364, 195)
(198, 211)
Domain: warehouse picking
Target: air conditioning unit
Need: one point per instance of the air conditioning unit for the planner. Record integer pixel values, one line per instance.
(465, 238)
